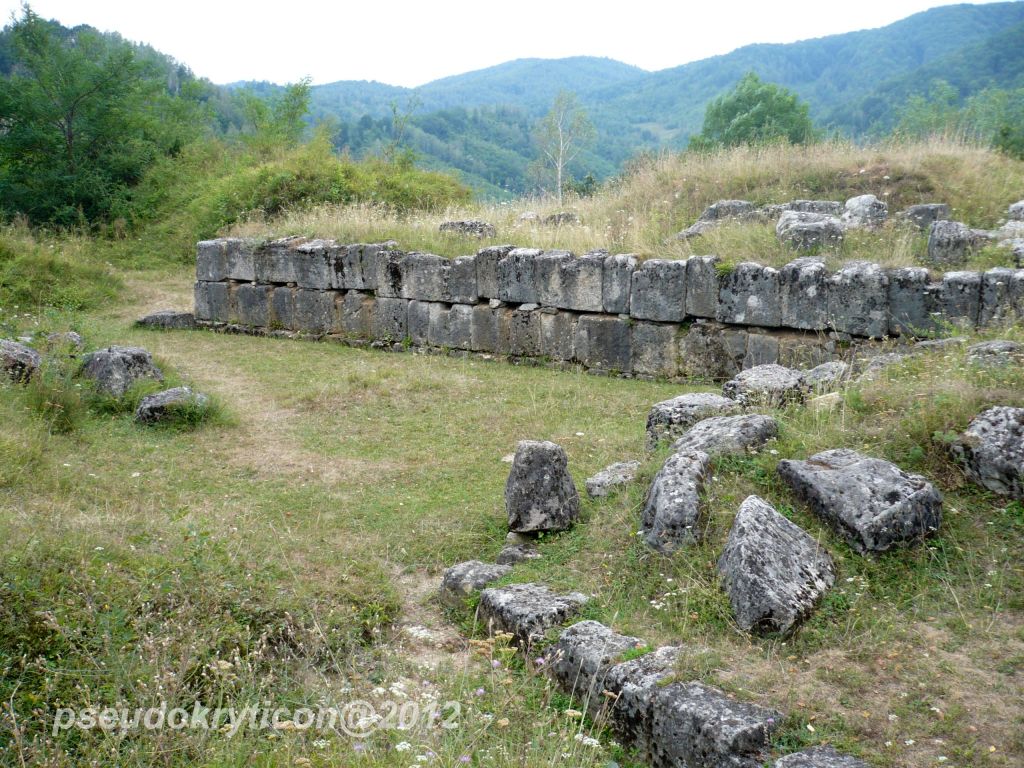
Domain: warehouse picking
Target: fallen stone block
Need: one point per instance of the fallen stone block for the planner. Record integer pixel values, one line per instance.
(582, 657)
(924, 215)
(672, 510)
(858, 300)
(611, 478)
(865, 211)
(560, 218)
(115, 369)
(517, 553)
(604, 343)
(723, 435)
(463, 580)
(18, 362)
(827, 376)
(819, 757)
(630, 689)
(951, 243)
(697, 726)
(527, 611)
(749, 295)
(870, 502)
(468, 227)
(718, 212)
(540, 494)
(168, 320)
(669, 419)
(163, 406)
(803, 294)
(658, 291)
(991, 450)
(617, 281)
(809, 231)
(996, 353)
(766, 385)
(773, 571)
(1016, 211)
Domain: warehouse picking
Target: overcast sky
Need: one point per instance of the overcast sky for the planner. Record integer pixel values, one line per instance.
(412, 43)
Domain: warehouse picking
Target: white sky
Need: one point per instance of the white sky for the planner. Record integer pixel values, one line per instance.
(412, 43)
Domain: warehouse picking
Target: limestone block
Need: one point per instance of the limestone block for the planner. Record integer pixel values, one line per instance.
(749, 295)
(658, 291)
(617, 282)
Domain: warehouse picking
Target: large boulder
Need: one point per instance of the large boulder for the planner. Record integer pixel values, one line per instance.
(827, 376)
(819, 757)
(950, 242)
(722, 435)
(527, 611)
(669, 419)
(871, 502)
(865, 211)
(464, 579)
(582, 657)
(163, 406)
(471, 227)
(991, 450)
(672, 510)
(632, 686)
(808, 231)
(540, 494)
(115, 369)
(769, 385)
(611, 477)
(773, 571)
(923, 214)
(716, 213)
(996, 353)
(168, 320)
(17, 361)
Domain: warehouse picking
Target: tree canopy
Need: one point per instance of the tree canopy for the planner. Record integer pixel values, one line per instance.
(753, 112)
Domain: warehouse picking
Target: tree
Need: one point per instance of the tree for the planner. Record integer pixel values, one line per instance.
(561, 135)
(754, 112)
(277, 121)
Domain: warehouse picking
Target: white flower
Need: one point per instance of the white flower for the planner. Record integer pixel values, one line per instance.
(403, 746)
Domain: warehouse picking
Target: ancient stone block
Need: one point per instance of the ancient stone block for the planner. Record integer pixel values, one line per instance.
(346, 265)
(633, 685)
(723, 435)
(424, 277)
(582, 657)
(313, 266)
(909, 313)
(865, 211)
(803, 294)
(211, 261)
(827, 376)
(282, 309)
(461, 581)
(314, 310)
(558, 335)
(519, 331)
(603, 342)
(672, 510)
(469, 227)
(773, 571)
(370, 256)
(460, 326)
(670, 419)
(527, 611)
(540, 494)
(617, 282)
(354, 313)
(219, 296)
(419, 323)
(766, 385)
(201, 298)
(253, 303)
(516, 277)
(702, 286)
(390, 274)
(437, 330)
(611, 477)
(389, 319)
(956, 300)
(749, 295)
(462, 288)
(275, 262)
(162, 406)
(712, 351)
(950, 243)
(991, 450)
(566, 282)
(809, 231)
(655, 351)
(485, 328)
(858, 300)
(922, 215)
(872, 503)
(1002, 297)
(113, 370)
(658, 291)
(996, 353)
(165, 320)
(819, 757)
(487, 269)
(18, 363)
(762, 348)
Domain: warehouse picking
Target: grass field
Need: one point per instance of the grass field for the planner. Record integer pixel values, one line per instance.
(289, 552)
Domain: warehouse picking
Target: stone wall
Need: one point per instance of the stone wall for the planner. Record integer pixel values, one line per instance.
(612, 313)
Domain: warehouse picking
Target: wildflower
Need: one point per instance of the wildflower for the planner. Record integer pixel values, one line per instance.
(495, 664)
(539, 661)
(403, 746)
(479, 692)
(574, 713)
(464, 759)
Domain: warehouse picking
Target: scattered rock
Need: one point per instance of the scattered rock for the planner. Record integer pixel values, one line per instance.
(768, 385)
(924, 214)
(698, 726)
(874, 367)
(540, 494)
(560, 218)
(872, 503)
(168, 320)
(819, 757)
(721, 435)
(65, 339)
(527, 611)
(950, 242)
(672, 509)
(827, 376)
(932, 344)
(718, 212)
(462, 580)
(519, 553)
(526, 216)
(471, 227)
(115, 369)
(828, 207)
(162, 406)
(611, 477)
(773, 571)
(1016, 211)
(17, 361)
(808, 231)
(998, 353)
(991, 450)
(865, 211)
(513, 539)
(582, 657)
(632, 686)
(669, 419)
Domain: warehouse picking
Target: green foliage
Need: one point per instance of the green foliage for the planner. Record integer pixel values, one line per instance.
(56, 397)
(754, 112)
(277, 121)
(560, 136)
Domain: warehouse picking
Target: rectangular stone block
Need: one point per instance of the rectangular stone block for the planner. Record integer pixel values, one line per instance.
(390, 268)
(545, 272)
(437, 329)
(1001, 299)
(460, 326)
(253, 303)
(419, 323)
(354, 313)
(389, 319)
(313, 268)
(370, 255)
(604, 342)
(655, 350)
(211, 261)
(519, 331)
(702, 286)
(201, 299)
(762, 348)
(803, 294)
(567, 282)
(908, 302)
(346, 263)
(487, 269)
(956, 301)
(858, 300)
(749, 295)
(461, 288)
(282, 309)
(220, 302)
(558, 335)
(424, 277)
(516, 277)
(484, 336)
(275, 261)
(712, 351)
(241, 264)
(617, 282)
(658, 291)
(314, 310)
